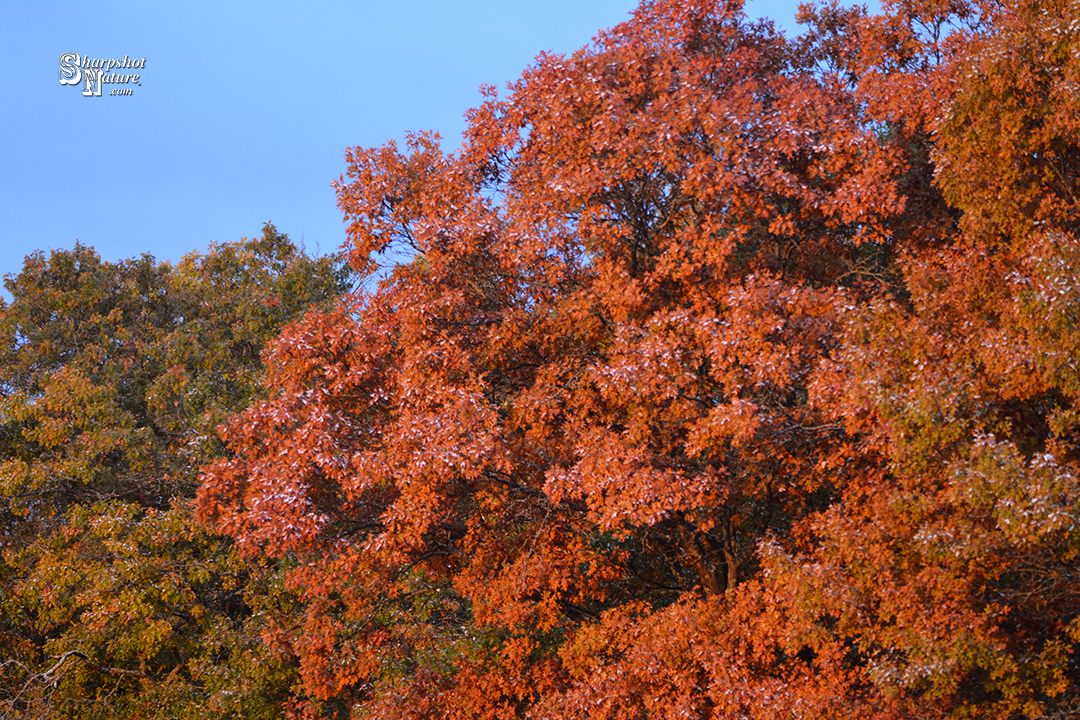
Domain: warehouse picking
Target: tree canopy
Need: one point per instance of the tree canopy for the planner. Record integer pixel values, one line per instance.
(718, 374)
(730, 376)
(114, 377)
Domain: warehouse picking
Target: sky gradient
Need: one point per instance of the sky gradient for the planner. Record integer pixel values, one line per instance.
(244, 110)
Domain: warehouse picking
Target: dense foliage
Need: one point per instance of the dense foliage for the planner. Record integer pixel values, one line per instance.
(731, 376)
(114, 378)
(728, 376)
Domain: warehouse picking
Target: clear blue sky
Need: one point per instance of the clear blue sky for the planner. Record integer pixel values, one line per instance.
(244, 109)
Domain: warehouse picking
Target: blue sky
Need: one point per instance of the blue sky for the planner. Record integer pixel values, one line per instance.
(244, 110)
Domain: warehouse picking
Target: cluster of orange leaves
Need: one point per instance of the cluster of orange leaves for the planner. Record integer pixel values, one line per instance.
(730, 376)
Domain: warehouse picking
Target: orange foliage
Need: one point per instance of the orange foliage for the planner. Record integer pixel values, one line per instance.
(718, 384)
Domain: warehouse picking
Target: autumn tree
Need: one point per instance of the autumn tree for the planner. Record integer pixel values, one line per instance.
(952, 570)
(114, 377)
(730, 376)
(571, 421)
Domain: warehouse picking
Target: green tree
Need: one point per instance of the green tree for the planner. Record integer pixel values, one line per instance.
(114, 377)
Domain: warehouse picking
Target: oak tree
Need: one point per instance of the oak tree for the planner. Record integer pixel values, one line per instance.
(564, 429)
